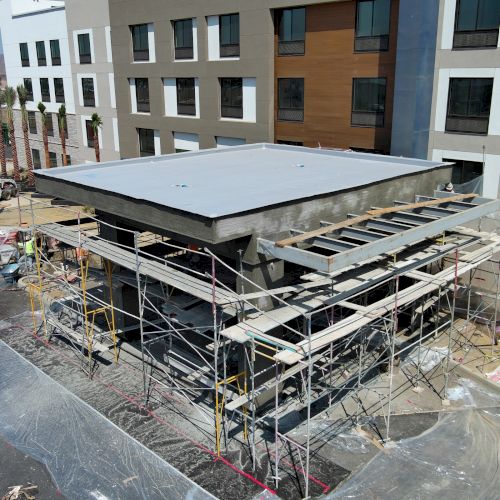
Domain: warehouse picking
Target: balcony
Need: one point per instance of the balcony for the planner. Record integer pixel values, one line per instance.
(475, 39)
(467, 125)
(184, 52)
(230, 50)
(291, 114)
(371, 43)
(291, 48)
(367, 119)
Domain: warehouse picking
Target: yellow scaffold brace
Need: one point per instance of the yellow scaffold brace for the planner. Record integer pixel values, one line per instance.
(36, 290)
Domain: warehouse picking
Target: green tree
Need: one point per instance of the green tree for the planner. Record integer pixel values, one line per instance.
(22, 95)
(96, 123)
(62, 121)
(3, 161)
(42, 108)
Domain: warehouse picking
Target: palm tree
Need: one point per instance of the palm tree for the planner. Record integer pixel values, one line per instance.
(10, 99)
(42, 108)
(96, 123)
(22, 95)
(3, 161)
(61, 118)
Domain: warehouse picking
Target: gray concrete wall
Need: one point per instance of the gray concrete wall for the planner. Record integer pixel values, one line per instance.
(414, 80)
(94, 15)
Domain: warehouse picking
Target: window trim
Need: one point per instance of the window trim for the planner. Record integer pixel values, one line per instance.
(472, 39)
(236, 109)
(376, 114)
(137, 55)
(294, 47)
(189, 109)
(87, 58)
(184, 52)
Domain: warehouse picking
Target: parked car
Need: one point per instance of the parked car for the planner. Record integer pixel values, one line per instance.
(8, 189)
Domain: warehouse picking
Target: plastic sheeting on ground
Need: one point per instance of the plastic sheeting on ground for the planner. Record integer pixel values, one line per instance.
(456, 458)
(87, 455)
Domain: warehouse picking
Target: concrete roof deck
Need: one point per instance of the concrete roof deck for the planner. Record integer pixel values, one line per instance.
(221, 182)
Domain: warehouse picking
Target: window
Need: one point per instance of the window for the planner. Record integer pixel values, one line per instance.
(28, 85)
(140, 42)
(40, 54)
(368, 102)
(32, 122)
(465, 171)
(476, 24)
(183, 38)
(90, 133)
(231, 93)
(53, 159)
(68, 160)
(50, 125)
(146, 141)
(45, 89)
(292, 32)
(25, 56)
(372, 25)
(469, 103)
(84, 48)
(291, 99)
(229, 34)
(35, 154)
(66, 134)
(142, 95)
(88, 92)
(186, 100)
(59, 89)
(55, 53)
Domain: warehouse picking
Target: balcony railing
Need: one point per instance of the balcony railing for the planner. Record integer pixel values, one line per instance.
(293, 48)
(85, 59)
(143, 106)
(184, 52)
(141, 55)
(371, 43)
(232, 111)
(230, 50)
(186, 109)
(467, 125)
(367, 119)
(291, 114)
(475, 39)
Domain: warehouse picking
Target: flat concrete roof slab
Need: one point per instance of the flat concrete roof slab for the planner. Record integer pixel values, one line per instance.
(220, 182)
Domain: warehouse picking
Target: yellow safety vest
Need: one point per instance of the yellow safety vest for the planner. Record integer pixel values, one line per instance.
(30, 247)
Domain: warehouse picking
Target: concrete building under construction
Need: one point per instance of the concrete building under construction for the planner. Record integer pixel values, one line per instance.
(264, 280)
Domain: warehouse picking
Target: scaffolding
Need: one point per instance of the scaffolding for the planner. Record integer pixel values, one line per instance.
(394, 280)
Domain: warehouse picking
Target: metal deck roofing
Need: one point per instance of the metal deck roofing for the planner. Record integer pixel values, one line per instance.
(220, 182)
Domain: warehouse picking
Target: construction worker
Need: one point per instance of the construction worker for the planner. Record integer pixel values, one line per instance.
(29, 251)
(449, 188)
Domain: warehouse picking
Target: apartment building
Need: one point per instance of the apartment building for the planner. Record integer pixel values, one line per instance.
(89, 36)
(192, 75)
(36, 50)
(465, 120)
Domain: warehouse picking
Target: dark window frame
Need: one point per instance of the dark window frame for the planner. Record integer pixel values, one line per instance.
(50, 125)
(290, 113)
(230, 108)
(478, 124)
(28, 85)
(59, 96)
(140, 51)
(186, 96)
(32, 125)
(378, 42)
(477, 37)
(142, 95)
(367, 117)
(25, 57)
(45, 95)
(146, 134)
(295, 45)
(88, 94)
(35, 155)
(232, 48)
(41, 54)
(461, 170)
(55, 52)
(84, 57)
(183, 49)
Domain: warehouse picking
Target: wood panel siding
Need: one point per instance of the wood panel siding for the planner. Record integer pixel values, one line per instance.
(328, 68)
